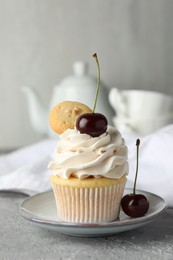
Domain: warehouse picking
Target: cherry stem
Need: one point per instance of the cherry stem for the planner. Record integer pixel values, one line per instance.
(137, 163)
(98, 81)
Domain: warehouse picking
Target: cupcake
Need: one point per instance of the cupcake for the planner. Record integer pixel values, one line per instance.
(89, 176)
(90, 165)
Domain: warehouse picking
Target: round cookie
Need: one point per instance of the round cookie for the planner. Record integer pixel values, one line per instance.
(65, 114)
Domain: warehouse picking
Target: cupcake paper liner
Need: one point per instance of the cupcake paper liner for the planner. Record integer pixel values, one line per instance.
(88, 205)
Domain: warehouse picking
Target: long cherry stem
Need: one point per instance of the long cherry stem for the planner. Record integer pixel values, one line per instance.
(98, 81)
(137, 164)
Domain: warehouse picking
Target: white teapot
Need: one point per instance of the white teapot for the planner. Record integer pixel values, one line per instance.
(78, 87)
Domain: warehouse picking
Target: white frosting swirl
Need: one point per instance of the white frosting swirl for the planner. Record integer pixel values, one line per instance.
(81, 155)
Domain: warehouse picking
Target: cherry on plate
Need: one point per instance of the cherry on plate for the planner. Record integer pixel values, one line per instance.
(135, 205)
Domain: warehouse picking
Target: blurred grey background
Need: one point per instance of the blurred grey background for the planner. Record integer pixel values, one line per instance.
(41, 39)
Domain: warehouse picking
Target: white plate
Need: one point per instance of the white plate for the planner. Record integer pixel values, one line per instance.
(41, 210)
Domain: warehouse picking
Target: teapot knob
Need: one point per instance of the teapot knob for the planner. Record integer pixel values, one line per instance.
(80, 68)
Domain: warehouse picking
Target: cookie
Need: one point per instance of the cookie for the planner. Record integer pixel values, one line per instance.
(65, 114)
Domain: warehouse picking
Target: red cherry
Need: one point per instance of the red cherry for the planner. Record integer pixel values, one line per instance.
(93, 124)
(135, 205)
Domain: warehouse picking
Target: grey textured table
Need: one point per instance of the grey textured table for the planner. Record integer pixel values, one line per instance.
(20, 239)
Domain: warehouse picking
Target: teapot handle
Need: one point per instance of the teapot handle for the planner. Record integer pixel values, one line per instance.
(118, 102)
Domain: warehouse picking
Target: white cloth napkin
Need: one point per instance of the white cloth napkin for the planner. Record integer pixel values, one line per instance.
(25, 170)
(155, 163)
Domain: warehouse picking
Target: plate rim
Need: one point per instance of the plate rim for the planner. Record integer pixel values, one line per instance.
(117, 223)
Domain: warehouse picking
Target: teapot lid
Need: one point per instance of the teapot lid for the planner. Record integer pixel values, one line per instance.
(80, 76)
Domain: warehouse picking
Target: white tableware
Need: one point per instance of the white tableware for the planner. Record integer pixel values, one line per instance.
(141, 126)
(40, 209)
(140, 111)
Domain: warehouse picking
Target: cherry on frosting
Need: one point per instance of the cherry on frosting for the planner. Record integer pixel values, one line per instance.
(93, 123)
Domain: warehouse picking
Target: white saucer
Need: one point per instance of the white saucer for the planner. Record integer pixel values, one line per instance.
(41, 210)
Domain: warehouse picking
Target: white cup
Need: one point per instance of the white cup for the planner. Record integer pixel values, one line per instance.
(140, 111)
(141, 126)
